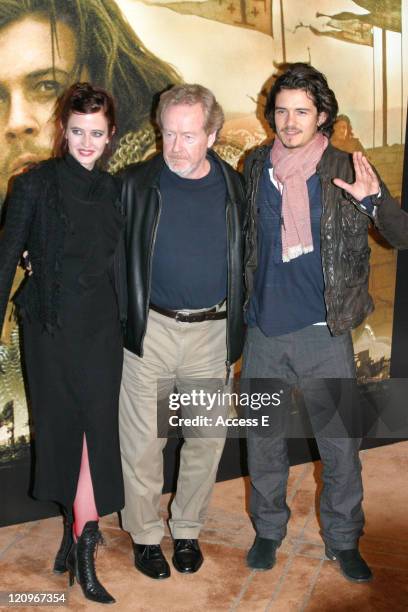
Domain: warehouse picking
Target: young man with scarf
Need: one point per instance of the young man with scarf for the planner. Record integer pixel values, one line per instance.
(307, 269)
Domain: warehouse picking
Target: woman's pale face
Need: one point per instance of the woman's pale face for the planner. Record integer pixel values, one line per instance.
(87, 136)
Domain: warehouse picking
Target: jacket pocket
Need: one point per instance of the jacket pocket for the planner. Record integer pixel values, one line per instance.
(353, 222)
(356, 266)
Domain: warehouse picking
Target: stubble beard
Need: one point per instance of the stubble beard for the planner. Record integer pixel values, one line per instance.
(172, 165)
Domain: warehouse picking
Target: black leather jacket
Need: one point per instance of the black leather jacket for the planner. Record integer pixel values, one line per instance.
(344, 238)
(141, 199)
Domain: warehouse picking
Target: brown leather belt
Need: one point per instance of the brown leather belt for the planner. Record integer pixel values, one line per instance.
(191, 317)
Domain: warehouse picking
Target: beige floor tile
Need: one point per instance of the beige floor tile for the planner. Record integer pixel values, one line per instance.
(261, 585)
(294, 589)
(12, 533)
(388, 592)
(224, 583)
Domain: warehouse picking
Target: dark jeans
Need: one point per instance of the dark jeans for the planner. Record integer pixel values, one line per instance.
(298, 357)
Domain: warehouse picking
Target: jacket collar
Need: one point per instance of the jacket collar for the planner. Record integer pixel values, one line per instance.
(154, 166)
(261, 153)
(324, 168)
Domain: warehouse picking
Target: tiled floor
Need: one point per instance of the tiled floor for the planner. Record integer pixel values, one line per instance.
(302, 579)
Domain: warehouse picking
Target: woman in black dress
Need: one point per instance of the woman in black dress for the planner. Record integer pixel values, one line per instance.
(66, 212)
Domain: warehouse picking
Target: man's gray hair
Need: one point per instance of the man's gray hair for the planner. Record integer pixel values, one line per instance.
(193, 94)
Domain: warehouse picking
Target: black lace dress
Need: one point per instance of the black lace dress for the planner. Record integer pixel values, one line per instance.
(74, 373)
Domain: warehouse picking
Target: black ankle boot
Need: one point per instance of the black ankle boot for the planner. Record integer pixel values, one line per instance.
(60, 563)
(81, 564)
(262, 555)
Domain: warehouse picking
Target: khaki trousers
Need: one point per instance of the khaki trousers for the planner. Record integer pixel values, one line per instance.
(174, 354)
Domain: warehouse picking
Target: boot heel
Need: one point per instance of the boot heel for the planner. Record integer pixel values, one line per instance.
(70, 565)
(71, 578)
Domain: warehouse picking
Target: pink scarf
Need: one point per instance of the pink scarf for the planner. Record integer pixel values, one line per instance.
(292, 168)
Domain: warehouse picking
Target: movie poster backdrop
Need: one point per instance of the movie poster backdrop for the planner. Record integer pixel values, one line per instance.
(136, 48)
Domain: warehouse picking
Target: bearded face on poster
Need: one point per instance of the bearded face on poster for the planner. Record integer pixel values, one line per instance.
(45, 45)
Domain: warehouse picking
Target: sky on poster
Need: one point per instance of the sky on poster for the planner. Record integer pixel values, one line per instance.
(234, 62)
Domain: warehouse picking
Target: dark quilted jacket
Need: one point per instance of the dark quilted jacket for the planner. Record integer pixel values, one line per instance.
(35, 220)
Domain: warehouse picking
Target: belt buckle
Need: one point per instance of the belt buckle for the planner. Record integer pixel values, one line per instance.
(177, 317)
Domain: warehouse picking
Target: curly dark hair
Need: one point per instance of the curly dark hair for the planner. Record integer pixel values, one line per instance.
(314, 83)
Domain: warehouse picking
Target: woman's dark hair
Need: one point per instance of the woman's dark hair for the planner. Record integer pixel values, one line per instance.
(314, 83)
(82, 98)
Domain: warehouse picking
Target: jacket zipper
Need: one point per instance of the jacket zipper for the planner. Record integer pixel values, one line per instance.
(324, 210)
(121, 293)
(254, 228)
(150, 264)
(229, 292)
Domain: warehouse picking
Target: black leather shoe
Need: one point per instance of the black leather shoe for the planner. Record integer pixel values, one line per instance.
(187, 556)
(262, 555)
(149, 560)
(352, 565)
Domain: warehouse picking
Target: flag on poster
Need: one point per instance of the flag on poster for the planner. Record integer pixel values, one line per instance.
(358, 29)
(251, 14)
(349, 31)
(385, 14)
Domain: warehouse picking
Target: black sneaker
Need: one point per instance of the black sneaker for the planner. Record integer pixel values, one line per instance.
(352, 565)
(262, 555)
(149, 560)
